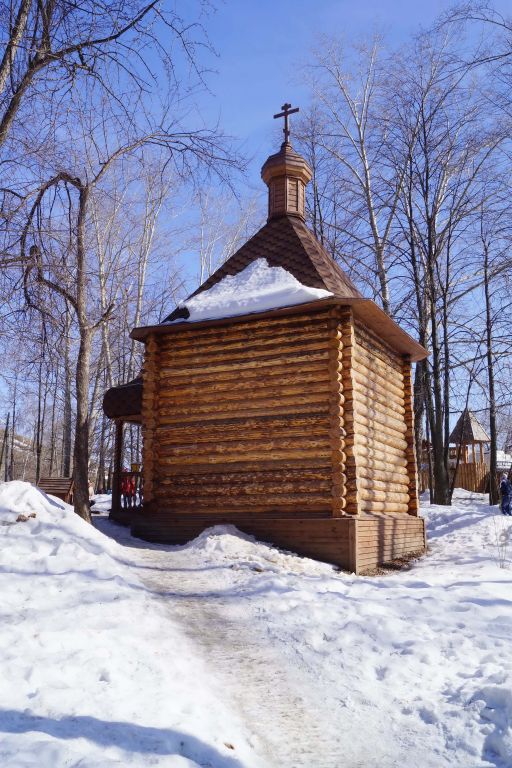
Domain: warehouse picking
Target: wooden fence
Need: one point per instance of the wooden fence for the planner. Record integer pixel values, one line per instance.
(472, 477)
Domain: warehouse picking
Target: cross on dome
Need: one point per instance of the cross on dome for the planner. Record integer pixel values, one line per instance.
(287, 110)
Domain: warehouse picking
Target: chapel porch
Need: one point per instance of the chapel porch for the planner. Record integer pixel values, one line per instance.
(123, 404)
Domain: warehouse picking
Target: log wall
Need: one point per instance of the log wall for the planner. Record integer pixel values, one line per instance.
(150, 378)
(297, 429)
(246, 418)
(378, 420)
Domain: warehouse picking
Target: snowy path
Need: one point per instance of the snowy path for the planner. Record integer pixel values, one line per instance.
(330, 670)
(276, 701)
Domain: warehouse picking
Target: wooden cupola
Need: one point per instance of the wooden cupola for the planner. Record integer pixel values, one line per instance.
(286, 175)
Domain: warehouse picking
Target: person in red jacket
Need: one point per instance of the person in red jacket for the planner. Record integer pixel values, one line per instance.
(128, 489)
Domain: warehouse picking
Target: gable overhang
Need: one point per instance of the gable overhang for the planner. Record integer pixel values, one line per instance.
(364, 310)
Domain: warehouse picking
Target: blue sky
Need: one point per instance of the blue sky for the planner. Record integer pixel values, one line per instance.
(262, 45)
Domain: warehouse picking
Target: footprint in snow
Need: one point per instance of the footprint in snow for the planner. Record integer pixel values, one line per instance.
(428, 716)
(496, 710)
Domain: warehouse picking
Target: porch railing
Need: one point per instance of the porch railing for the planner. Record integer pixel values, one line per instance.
(127, 492)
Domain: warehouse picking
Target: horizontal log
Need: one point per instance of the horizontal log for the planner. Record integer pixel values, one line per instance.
(382, 506)
(227, 501)
(376, 349)
(253, 345)
(372, 494)
(184, 419)
(383, 369)
(367, 377)
(270, 463)
(275, 378)
(377, 392)
(248, 456)
(371, 432)
(283, 351)
(322, 488)
(384, 538)
(250, 429)
(369, 523)
(248, 326)
(394, 485)
(363, 396)
(383, 469)
(374, 388)
(400, 525)
(363, 329)
(169, 396)
(372, 455)
(251, 407)
(270, 361)
(271, 475)
(369, 466)
(378, 400)
(280, 382)
(232, 338)
(367, 407)
(367, 436)
(322, 510)
(240, 419)
(260, 445)
(375, 423)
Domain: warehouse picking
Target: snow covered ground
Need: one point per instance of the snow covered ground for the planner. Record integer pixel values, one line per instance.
(94, 672)
(227, 652)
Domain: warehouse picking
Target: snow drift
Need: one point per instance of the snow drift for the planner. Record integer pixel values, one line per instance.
(94, 672)
(256, 288)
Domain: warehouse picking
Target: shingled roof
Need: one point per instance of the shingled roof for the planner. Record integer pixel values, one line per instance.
(124, 400)
(468, 430)
(287, 242)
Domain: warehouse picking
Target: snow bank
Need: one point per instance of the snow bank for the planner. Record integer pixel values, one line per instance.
(256, 288)
(95, 673)
(102, 503)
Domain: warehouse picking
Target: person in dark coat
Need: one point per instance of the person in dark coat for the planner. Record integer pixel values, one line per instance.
(506, 493)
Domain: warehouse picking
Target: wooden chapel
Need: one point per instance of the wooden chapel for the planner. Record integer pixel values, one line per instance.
(295, 423)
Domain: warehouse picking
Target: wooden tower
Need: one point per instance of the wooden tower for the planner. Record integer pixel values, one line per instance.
(294, 423)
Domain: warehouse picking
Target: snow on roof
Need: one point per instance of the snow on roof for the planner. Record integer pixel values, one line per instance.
(256, 288)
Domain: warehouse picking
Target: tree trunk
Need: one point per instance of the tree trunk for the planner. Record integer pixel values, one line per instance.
(493, 469)
(5, 445)
(67, 416)
(83, 365)
(81, 446)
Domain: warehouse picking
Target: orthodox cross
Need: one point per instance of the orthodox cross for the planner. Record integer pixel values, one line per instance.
(287, 110)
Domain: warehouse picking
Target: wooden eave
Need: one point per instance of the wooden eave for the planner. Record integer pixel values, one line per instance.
(365, 310)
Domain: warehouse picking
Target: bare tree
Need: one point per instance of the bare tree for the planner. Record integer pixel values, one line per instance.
(354, 129)
(50, 46)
